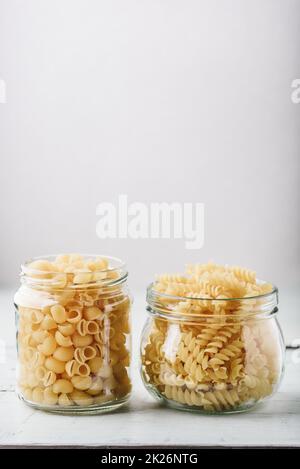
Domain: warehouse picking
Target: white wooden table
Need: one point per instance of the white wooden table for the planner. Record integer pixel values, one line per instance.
(144, 422)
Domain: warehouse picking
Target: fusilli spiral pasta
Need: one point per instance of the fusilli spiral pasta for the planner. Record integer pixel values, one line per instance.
(208, 347)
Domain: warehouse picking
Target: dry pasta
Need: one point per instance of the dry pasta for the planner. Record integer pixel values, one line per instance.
(216, 351)
(73, 348)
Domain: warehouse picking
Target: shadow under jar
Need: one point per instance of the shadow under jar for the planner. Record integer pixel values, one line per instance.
(222, 361)
(73, 334)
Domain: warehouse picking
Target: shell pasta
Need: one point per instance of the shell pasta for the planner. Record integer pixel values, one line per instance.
(73, 334)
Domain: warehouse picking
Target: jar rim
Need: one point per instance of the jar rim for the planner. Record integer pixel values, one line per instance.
(117, 265)
(267, 306)
(151, 290)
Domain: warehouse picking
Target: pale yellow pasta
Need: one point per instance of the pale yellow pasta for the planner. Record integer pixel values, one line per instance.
(30, 327)
(48, 346)
(25, 341)
(105, 371)
(81, 327)
(82, 369)
(64, 354)
(54, 365)
(218, 360)
(103, 398)
(100, 264)
(60, 280)
(58, 313)
(96, 386)
(36, 316)
(64, 297)
(38, 395)
(111, 383)
(48, 323)
(81, 382)
(39, 336)
(99, 349)
(118, 341)
(49, 378)
(50, 397)
(113, 358)
(62, 386)
(95, 364)
(71, 367)
(31, 341)
(78, 355)
(81, 341)
(64, 400)
(81, 398)
(29, 354)
(62, 259)
(91, 327)
(91, 313)
(43, 265)
(27, 393)
(82, 277)
(40, 359)
(66, 329)
(41, 372)
(62, 340)
(98, 337)
(74, 315)
(88, 353)
(31, 380)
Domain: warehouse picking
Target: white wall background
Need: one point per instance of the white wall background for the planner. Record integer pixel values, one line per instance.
(163, 100)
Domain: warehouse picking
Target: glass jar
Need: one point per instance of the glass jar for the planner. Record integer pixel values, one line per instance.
(73, 334)
(212, 363)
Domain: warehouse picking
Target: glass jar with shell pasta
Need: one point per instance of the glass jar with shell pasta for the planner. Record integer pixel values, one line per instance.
(73, 333)
(208, 352)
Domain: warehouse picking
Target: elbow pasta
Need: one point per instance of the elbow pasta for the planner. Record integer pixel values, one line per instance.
(218, 351)
(73, 349)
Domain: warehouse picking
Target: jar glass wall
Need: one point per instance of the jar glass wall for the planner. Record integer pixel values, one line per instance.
(73, 334)
(212, 363)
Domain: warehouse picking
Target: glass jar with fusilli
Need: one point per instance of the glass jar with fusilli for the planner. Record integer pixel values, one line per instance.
(73, 333)
(212, 343)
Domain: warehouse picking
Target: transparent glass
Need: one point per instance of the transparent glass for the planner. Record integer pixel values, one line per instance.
(73, 343)
(212, 363)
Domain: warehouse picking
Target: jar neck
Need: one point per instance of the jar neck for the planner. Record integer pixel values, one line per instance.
(211, 310)
(63, 272)
(60, 282)
(38, 295)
